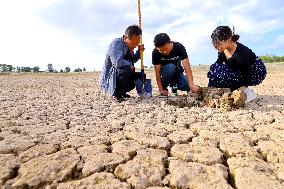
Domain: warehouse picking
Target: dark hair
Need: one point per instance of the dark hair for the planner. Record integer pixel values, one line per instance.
(223, 33)
(133, 30)
(161, 39)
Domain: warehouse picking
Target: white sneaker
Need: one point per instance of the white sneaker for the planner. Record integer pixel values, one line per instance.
(145, 95)
(173, 94)
(251, 95)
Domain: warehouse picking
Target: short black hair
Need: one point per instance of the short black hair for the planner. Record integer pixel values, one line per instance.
(133, 30)
(223, 33)
(161, 39)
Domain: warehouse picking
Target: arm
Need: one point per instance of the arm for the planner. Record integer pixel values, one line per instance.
(137, 54)
(116, 55)
(157, 69)
(187, 69)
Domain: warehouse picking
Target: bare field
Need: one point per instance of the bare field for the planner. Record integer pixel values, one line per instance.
(60, 131)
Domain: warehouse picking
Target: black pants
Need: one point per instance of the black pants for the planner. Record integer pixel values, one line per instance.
(125, 80)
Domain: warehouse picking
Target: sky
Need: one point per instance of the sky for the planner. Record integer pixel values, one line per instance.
(76, 33)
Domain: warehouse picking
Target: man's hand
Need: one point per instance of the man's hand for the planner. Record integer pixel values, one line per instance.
(141, 47)
(164, 92)
(195, 88)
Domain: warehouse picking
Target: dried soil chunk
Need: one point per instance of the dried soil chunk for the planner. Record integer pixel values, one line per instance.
(195, 175)
(145, 170)
(47, 169)
(97, 181)
(197, 153)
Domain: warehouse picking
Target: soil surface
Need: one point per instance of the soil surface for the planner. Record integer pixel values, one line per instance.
(61, 131)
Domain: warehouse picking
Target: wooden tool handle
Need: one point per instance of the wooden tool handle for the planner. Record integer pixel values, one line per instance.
(140, 25)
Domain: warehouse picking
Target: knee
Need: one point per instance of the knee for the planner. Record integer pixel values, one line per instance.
(168, 70)
(216, 66)
(169, 67)
(216, 69)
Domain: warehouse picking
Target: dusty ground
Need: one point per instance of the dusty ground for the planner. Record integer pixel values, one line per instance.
(60, 131)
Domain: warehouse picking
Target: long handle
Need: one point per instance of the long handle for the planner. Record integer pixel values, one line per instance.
(140, 25)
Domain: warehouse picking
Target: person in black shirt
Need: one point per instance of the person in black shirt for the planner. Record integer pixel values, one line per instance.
(237, 65)
(170, 60)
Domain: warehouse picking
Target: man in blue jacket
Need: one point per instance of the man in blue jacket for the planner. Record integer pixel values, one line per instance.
(118, 74)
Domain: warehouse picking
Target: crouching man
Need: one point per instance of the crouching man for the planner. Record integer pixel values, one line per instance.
(170, 60)
(118, 75)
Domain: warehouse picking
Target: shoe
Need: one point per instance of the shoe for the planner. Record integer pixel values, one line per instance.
(251, 95)
(147, 95)
(174, 92)
(117, 99)
(144, 95)
(125, 95)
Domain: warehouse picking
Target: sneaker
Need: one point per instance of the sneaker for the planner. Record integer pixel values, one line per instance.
(126, 95)
(174, 91)
(251, 95)
(144, 95)
(174, 94)
(147, 95)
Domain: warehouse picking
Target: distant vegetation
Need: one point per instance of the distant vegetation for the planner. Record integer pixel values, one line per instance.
(50, 69)
(272, 58)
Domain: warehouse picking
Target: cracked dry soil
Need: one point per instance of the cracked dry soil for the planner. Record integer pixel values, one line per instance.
(60, 131)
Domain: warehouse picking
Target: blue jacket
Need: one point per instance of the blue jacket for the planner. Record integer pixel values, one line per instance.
(114, 60)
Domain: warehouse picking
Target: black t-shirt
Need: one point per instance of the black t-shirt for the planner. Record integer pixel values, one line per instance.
(177, 54)
(241, 60)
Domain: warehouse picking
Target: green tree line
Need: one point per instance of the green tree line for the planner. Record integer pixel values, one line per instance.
(10, 68)
(272, 58)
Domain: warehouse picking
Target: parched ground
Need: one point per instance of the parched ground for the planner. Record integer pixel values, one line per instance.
(60, 131)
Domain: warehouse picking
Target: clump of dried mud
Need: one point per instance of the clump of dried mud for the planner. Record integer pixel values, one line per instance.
(221, 98)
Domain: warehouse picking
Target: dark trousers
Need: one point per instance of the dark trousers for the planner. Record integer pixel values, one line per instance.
(125, 80)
